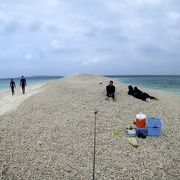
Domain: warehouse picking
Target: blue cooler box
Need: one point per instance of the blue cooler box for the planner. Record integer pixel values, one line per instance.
(153, 126)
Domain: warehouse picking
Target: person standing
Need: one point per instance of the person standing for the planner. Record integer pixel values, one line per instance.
(23, 84)
(12, 86)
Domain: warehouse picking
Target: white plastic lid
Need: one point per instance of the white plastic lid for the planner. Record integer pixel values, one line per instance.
(140, 116)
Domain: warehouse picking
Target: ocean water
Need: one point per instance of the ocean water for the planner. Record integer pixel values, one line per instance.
(4, 83)
(169, 84)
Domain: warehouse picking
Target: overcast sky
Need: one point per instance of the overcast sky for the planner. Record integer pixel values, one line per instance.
(60, 37)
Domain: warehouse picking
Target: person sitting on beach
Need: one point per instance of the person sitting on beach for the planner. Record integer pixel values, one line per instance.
(23, 84)
(137, 93)
(110, 89)
(12, 86)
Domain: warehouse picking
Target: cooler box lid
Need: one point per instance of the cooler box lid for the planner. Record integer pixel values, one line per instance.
(154, 122)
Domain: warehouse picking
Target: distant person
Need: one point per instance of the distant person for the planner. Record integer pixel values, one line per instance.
(23, 84)
(110, 89)
(137, 93)
(12, 86)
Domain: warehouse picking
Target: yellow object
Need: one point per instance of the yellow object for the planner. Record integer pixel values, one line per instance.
(157, 98)
(115, 133)
(129, 127)
(133, 141)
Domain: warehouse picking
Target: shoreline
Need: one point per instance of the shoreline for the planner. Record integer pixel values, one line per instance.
(113, 78)
(10, 103)
(30, 80)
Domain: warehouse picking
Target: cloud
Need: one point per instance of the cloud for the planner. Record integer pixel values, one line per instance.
(90, 62)
(67, 48)
(36, 26)
(107, 32)
(96, 59)
(126, 7)
(55, 45)
(174, 16)
(52, 28)
(29, 56)
(1, 14)
(10, 27)
(88, 35)
(150, 50)
(105, 49)
(150, 2)
(115, 6)
(41, 54)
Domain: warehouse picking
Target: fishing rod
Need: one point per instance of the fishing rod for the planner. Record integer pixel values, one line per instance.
(94, 153)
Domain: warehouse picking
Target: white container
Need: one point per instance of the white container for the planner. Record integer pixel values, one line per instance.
(140, 116)
(131, 132)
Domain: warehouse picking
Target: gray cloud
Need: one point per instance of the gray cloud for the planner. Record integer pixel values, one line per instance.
(107, 33)
(42, 55)
(150, 50)
(10, 27)
(66, 51)
(105, 49)
(52, 28)
(36, 26)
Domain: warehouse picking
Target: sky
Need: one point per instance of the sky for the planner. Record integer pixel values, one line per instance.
(112, 37)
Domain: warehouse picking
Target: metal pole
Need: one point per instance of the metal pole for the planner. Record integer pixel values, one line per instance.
(94, 153)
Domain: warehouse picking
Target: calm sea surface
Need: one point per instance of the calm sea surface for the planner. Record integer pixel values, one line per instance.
(164, 83)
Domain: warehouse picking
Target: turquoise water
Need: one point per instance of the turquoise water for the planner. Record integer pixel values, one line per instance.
(4, 83)
(164, 83)
(169, 84)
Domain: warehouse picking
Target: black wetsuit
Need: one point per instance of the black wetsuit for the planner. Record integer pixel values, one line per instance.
(141, 95)
(131, 90)
(12, 86)
(110, 89)
(23, 84)
(148, 96)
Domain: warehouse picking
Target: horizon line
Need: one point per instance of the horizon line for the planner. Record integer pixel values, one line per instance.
(107, 75)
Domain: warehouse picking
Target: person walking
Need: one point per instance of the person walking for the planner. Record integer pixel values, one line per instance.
(23, 84)
(12, 86)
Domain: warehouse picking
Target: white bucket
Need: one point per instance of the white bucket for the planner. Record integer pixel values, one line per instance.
(140, 116)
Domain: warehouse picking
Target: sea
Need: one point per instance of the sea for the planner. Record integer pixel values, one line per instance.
(166, 83)
(4, 82)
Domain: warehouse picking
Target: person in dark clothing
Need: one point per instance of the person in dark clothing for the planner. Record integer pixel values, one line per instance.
(23, 84)
(144, 96)
(131, 90)
(12, 86)
(147, 96)
(137, 93)
(110, 89)
(136, 90)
